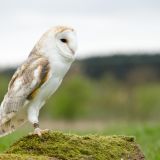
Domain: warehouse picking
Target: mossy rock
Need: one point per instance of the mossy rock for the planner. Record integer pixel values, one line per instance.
(24, 157)
(60, 146)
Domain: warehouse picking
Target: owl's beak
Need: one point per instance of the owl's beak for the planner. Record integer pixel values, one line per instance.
(72, 51)
(72, 42)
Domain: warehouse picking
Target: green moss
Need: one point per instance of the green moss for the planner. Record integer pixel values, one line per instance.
(23, 157)
(73, 147)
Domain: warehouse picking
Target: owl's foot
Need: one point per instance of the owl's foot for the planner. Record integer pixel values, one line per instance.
(39, 132)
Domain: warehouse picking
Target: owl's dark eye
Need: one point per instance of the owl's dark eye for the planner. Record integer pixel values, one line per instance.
(63, 40)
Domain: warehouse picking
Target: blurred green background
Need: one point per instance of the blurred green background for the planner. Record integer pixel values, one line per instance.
(117, 94)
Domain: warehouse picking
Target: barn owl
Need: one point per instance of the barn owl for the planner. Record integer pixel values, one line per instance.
(37, 79)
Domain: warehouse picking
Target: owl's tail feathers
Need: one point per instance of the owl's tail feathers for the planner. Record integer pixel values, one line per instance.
(5, 124)
(11, 121)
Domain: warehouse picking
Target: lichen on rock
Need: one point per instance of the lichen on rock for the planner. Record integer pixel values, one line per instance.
(60, 146)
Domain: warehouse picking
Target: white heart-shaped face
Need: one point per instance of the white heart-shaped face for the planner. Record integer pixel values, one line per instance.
(67, 43)
(59, 42)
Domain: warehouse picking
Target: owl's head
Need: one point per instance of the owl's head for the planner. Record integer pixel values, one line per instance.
(59, 41)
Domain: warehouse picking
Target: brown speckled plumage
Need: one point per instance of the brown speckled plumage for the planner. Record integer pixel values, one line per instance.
(16, 97)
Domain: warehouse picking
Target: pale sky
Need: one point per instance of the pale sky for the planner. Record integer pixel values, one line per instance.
(103, 26)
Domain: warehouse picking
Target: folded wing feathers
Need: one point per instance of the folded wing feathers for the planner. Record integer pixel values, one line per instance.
(21, 87)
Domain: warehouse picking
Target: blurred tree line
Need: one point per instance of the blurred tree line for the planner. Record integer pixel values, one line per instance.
(124, 67)
(113, 88)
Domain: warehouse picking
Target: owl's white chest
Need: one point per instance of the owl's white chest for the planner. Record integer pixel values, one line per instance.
(49, 88)
(56, 74)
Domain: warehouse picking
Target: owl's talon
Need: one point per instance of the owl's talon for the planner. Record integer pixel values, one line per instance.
(39, 132)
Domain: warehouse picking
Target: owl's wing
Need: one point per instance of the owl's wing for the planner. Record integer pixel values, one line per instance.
(24, 85)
